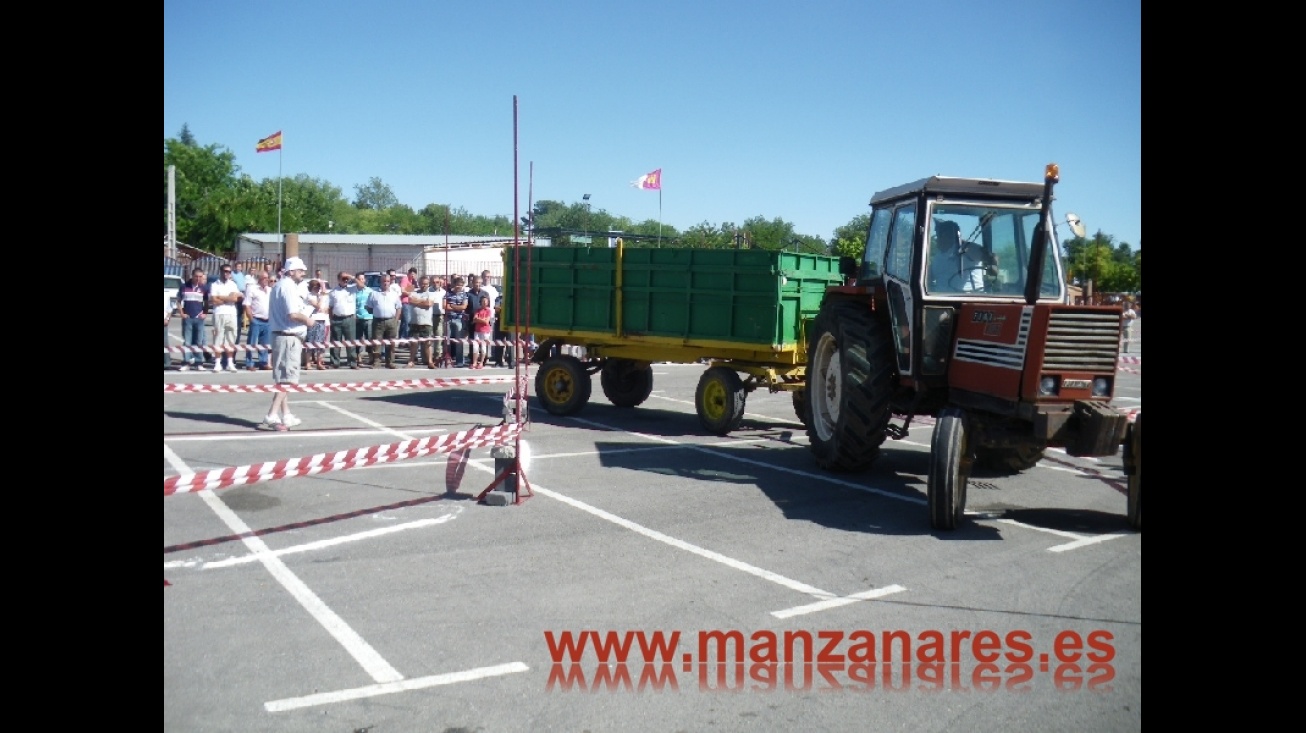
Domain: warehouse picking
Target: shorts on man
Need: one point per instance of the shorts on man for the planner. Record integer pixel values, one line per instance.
(286, 353)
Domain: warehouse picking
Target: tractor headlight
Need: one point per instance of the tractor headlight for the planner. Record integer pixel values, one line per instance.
(1101, 387)
(1048, 385)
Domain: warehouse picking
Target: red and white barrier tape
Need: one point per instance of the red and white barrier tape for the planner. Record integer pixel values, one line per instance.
(208, 349)
(336, 387)
(324, 462)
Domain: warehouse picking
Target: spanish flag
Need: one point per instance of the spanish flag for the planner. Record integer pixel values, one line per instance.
(269, 143)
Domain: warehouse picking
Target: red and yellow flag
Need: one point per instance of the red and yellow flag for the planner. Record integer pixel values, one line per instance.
(649, 181)
(269, 143)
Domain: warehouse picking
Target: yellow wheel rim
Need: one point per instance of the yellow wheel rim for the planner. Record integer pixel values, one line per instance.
(714, 400)
(558, 386)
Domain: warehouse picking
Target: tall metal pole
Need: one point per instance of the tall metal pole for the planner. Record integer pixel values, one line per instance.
(280, 243)
(172, 211)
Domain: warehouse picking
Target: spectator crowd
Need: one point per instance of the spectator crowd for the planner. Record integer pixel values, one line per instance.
(449, 321)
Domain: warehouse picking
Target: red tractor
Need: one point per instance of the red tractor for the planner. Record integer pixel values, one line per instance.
(958, 312)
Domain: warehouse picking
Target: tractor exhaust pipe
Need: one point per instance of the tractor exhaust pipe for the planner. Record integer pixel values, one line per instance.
(1039, 248)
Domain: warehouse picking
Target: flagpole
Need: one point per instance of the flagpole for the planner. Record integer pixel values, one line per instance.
(279, 241)
(659, 213)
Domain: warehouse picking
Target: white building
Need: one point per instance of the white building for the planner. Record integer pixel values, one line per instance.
(431, 254)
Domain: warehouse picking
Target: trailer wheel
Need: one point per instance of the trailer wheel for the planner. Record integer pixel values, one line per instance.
(800, 405)
(1134, 459)
(949, 470)
(1010, 459)
(562, 385)
(719, 400)
(849, 383)
(626, 382)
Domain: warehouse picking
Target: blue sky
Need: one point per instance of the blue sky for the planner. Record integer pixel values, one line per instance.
(775, 109)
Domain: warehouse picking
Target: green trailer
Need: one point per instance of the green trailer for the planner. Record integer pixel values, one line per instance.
(739, 311)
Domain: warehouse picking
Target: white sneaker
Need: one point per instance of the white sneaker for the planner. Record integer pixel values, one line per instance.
(271, 422)
(290, 420)
(184, 368)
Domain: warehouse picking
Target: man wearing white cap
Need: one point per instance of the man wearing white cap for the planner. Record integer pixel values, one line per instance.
(288, 319)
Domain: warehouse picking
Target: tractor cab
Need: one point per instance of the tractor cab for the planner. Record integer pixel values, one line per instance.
(939, 243)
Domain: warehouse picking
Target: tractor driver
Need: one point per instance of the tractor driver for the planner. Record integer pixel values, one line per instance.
(956, 266)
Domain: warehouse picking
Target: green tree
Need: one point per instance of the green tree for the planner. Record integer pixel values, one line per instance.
(849, 240)
(374, 194)
(203, 175)
(776, 234)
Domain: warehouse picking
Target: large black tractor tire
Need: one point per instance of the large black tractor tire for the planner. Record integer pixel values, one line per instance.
(850, 372)
(949, 470)
(1134, 460)
(625, 382)
(1010, 459)
(800, 405)
(719, 400)
(562, 385)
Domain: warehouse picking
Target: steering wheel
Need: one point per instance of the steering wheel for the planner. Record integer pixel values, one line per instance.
(958, 280)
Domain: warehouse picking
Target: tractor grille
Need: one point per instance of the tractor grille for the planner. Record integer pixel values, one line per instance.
(1000, 355)
(1080, 341)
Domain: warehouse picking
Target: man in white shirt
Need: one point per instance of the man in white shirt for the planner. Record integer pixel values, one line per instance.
(955, 266)
(386, 308)
(289, 318)
(1128, 316)
(224, 294)
(257, 295)
(439, 351)
(344, 307)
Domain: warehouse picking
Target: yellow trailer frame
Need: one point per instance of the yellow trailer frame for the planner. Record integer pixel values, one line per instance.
(624, 362)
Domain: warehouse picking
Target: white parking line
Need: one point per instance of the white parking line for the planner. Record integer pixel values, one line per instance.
(1086, 541)
(290, 434)
(317, 545)
(805, 474)
(362, 652)
(746, 414)
(1079, 540)
(419, 683)
(730, 562)
(837, 602)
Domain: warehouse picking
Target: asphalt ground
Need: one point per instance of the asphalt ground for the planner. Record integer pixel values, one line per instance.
(374, 598)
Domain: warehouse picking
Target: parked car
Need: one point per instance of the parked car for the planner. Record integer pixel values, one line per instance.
(171, 286)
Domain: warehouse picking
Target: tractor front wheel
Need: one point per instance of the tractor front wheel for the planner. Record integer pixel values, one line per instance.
(949, 470)
(1134, 465)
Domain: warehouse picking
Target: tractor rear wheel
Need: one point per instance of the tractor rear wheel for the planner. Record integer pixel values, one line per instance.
(949, 470)
(849, 382)
(562, 385)
(800, 405)
(626, 382)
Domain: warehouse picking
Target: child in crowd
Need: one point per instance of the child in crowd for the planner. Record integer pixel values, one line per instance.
(482, 332)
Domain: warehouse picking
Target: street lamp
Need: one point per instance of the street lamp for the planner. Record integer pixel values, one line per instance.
(586, 199)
